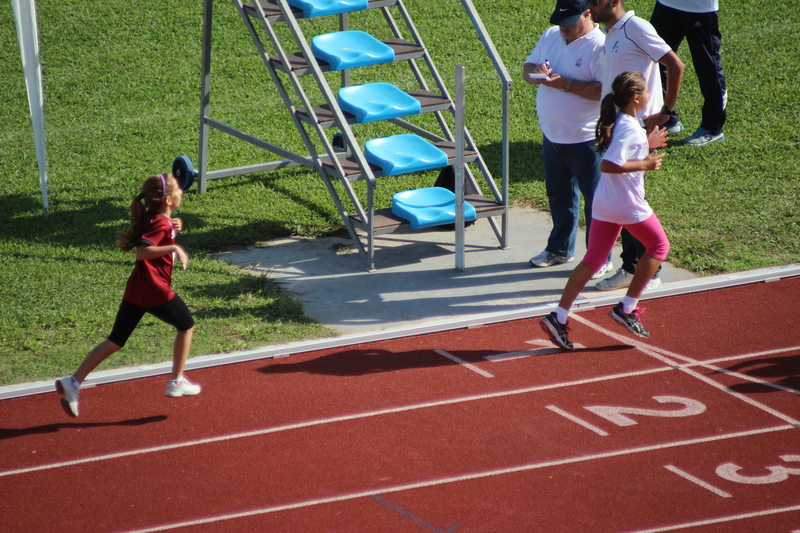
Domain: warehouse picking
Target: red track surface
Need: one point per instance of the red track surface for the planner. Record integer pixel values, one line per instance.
(397, 436)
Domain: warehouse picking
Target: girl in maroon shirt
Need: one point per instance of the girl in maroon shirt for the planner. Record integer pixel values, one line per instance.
(149, 289)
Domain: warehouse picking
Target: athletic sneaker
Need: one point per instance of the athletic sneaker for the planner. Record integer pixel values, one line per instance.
(622, 279)
(546, 259)
(556, 331)
(629, 320)
(673, 125)
(703, 137)
(653, 284)
(605, 269)
(69, 396)
(619, 280)
(184, 387)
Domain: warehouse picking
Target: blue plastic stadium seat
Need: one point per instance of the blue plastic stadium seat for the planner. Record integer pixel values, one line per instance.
(377, 101)
(318, 8)
(429, 206)
(399, 154)
(350, 49)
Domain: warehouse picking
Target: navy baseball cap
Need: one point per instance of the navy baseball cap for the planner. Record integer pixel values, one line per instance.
(568, 12)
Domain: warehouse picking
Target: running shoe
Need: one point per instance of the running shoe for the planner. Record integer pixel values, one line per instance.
(629, 320)
(653, 284)
(69, 396)
(673, 125)
(619, 280)
(184, 387)
(605, 269)
(556, 331)
(703, 137)
(546, 259)
(622, 279)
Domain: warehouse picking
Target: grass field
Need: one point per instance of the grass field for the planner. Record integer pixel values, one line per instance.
(121, 86)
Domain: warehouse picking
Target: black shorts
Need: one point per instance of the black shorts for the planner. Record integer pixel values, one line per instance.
(174, 312)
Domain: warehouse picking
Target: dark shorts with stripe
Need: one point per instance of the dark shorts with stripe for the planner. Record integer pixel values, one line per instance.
(174, 312)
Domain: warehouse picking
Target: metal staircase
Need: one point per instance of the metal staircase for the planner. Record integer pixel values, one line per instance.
(342, 157)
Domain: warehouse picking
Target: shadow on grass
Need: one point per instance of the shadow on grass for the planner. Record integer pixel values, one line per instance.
(53, 428)
(365, 362)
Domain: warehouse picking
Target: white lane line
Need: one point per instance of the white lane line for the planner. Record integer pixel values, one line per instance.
(577, 420)
(693, 479)
(720, 520)
(455, 479)
(464, 363)
(545, 348)
(661, 355)
(344, 418)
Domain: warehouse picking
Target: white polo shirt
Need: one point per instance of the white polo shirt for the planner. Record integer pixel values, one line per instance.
(566, 118)
(619, 198)
(692, 6)
(632, 44)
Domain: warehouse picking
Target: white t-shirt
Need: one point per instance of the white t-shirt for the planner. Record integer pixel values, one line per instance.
(566, 118)
(632, 44)
(692, 6)
(619, 198)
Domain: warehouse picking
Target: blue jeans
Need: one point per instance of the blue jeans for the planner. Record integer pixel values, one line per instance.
(569, 171)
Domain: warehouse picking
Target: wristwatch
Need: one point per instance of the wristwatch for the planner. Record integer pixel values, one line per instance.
(665, 110)
(567, 89)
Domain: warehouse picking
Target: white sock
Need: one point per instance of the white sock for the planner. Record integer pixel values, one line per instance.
(629, 304)
(75, 383)
(176, 381)
(561, 315)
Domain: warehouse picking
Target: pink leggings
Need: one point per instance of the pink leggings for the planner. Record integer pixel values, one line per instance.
(603, 235)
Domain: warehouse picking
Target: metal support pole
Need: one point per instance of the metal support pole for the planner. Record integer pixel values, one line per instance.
(459, 169)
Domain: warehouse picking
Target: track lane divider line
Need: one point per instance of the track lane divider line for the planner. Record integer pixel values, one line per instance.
(344, 418)
(698, 481)
(464, 477)
(658, 353)
(721, 520)
(464, 363)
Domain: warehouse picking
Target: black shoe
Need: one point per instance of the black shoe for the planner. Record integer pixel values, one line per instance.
(629, 320)
(557, 332)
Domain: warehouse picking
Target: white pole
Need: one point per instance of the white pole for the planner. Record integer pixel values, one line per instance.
(25, 19)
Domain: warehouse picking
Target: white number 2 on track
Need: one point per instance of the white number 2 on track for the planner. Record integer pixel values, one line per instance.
(617, 414)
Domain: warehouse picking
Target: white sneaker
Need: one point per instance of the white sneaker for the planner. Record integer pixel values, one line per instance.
(619, 280)
(184, 387)
(653, 284)
(605, 269)
(69, 396)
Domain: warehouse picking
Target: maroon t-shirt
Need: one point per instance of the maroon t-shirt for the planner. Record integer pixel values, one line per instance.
(151, 280)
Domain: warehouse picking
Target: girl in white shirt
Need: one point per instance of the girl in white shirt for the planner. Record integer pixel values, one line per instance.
(618, 203)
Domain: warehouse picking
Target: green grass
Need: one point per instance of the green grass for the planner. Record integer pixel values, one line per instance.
(122, 100)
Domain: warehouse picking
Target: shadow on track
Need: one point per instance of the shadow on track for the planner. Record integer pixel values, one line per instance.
(52, 428)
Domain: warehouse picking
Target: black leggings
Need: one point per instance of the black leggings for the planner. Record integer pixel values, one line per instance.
(174, 312)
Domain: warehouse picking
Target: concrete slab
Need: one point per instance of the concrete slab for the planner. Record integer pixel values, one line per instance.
(415, 281)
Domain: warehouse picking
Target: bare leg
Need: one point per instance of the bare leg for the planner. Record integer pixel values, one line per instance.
(645, 270)
(99, 354)
(577, 282)
(180, 352)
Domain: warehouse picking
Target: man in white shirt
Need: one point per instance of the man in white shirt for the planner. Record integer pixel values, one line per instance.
(697, 21)
(632, 44)
(564, 66)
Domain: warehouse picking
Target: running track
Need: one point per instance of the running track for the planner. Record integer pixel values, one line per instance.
(485, 429)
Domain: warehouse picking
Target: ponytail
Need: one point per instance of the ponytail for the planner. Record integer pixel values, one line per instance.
(155, 190)
(605, 124)
(625, 88)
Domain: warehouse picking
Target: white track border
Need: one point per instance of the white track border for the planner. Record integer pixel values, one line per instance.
(270, 352)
